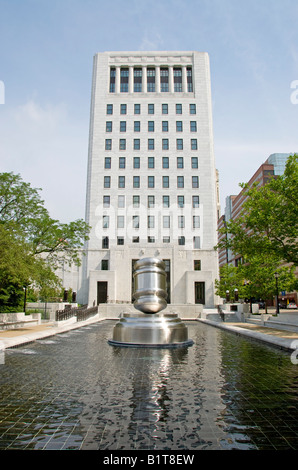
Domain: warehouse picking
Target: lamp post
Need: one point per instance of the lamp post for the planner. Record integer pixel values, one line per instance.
(276, 275)
(236, 295)
(227, 296)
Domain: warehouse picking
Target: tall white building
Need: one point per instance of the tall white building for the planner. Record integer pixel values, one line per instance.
(151, 184)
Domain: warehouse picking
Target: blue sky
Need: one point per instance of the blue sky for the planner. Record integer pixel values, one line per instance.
(46, 55)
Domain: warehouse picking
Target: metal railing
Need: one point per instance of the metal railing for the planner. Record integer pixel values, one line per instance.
(81, 313)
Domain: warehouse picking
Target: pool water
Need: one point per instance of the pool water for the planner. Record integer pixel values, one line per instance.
(75, 391)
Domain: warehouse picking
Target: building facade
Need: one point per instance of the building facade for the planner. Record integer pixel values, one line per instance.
(151, 182)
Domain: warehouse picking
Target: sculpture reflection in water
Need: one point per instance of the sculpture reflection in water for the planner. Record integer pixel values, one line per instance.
(150, 328)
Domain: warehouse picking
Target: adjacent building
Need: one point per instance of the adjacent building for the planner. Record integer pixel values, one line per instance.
(152, 185)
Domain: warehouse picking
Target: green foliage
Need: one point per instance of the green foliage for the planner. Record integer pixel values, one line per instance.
(32, 245)
(266, 234)
(269, 219)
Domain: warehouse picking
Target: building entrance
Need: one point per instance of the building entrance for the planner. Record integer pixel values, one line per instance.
(199, 292)
(102, 292)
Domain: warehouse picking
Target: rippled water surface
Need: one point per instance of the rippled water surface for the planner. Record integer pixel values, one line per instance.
(75, 391)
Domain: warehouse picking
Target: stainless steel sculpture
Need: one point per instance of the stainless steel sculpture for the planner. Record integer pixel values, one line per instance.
(150, 328)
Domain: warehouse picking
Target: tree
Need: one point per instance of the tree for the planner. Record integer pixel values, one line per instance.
(269, 219)
(230, 279)
(32, 245)
(23, 213)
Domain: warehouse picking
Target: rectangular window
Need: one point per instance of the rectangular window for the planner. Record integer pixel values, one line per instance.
(151, 239)
(151, 202)
(150, 79)
(179, 127)
(178, 108)
(165, 182)
(179, 144)
(164, 79)
(108, 145)
(137, 80)
(192, 109)
(194, 162)
(137, 126)
(150, 162)
(196, 243)
(112, 80)
(181, 221)
(180, 162)
(150, 126)
(165, 162)
(120, 221)
(106, 201)
(121, 162)
(105, 221)
(166, 239)
(195, 181)
(165, 144)
(135, 239)
(109, 109)
(136, 201)
(177, 79)
(122, 126)
(136, 181)
(105, 242)
(164, 109)
(180, 181)
(124, 74)
(196, 221)
(181, 241)
(151, 221)
(120, 240)
(180, 201)
(121, 202)
(136, 162)
(194, 144)
(165, 126)
(166, 201)
(109, 126)
(136, 144)
(121, 181)
(150, 144)
(107, 163)
(195, 201)
(122, 144)
(123, 109)
(137, 108)
(107, 182)
(193, 126)
(197, 265)
(150, 181)
(150, 108)
(136, 221)
(166, 221)
(104, 264)
(189, 79)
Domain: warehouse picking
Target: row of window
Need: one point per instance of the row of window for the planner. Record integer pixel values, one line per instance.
(151, 82)
(120, 241)
(165, 145)
(151, 201)
(150, 181)
(151, 126)
(151, 108)
(151, 162)
(151, 239)
(166, 221)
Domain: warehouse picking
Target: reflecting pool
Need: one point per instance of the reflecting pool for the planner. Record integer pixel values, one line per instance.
(75, 391)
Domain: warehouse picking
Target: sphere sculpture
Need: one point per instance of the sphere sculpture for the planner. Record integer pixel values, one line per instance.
(150, 328)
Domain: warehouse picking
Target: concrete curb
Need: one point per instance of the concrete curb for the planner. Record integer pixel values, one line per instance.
(289, 344)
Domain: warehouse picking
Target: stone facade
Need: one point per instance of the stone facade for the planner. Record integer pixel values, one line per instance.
(151, 183)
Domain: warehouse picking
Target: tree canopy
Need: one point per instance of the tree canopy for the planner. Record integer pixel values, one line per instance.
(32, 244)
